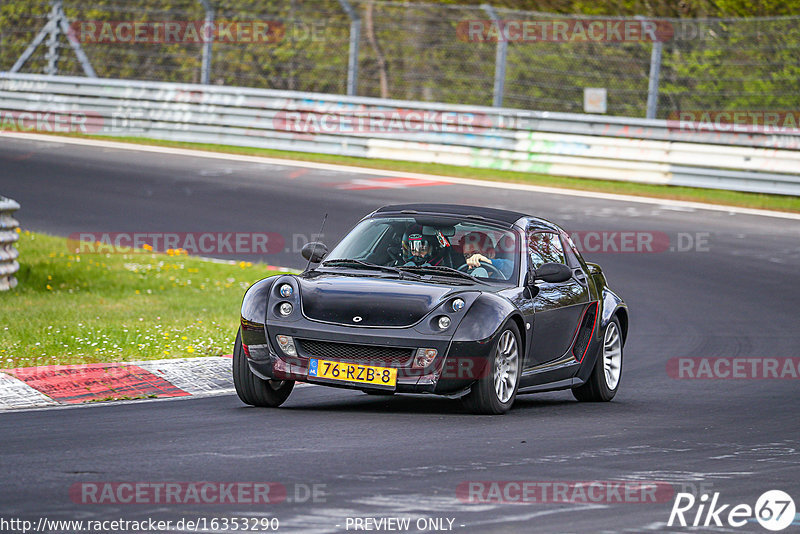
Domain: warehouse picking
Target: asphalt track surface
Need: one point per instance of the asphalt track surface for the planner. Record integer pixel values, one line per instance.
(405, 456)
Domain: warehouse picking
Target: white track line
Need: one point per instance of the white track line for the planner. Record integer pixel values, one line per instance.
(363, 170)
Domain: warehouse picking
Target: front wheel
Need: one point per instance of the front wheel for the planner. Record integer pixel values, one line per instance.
(603, 383)
(253, 390)
(494, 393)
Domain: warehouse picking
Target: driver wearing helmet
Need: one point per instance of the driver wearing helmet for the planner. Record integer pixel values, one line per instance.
(419, 249)
(478, 247)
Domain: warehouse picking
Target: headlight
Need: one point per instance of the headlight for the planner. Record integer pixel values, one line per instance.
(286, 291)
(286, 343)
(457, 305)
(444, 322)
(424, 357)
(285, 308)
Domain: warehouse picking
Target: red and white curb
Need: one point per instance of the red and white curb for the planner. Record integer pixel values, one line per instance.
(34, 387)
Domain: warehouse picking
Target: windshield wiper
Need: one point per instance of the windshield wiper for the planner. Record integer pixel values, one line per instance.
(441, 269)
(353, 262)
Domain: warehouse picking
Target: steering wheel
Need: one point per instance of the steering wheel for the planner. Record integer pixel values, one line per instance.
(488, 266)
(395, 253)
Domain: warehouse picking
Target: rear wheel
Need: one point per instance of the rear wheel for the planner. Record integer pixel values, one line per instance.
(603, 383)
(253, 390)
(494, 393)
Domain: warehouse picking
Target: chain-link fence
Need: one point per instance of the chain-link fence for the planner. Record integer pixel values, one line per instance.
(455, 54)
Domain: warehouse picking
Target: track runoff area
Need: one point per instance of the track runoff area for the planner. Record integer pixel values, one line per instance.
(698, 433)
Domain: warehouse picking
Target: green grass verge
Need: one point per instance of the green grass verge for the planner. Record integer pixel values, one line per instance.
(89, 308)
(710, 196)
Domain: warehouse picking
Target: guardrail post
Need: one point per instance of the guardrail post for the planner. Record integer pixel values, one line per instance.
(652, 86)
(208, 40)
(8, 236)
(355, 41)
(499, 59)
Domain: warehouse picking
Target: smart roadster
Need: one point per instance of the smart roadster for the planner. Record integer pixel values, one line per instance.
(471, 302)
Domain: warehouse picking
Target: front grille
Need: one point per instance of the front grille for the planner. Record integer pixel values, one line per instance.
(351, 353)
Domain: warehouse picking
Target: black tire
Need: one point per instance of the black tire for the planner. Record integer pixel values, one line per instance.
(254, 390)
(483, 397)
(597, 388)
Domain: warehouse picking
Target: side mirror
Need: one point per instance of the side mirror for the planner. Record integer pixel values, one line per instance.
(552, 273)
(314, 251)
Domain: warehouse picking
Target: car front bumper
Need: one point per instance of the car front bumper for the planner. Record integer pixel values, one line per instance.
(456, 367)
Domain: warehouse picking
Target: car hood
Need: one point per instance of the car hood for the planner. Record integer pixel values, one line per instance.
(376, 301)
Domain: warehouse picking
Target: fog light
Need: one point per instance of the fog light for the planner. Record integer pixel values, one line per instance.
(458, 305)
(286, 291)
(285, 309)
(424, 357)
(444, 322)
(286, 343)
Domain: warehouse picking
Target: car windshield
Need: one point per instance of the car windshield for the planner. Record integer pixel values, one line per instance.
(431, 245)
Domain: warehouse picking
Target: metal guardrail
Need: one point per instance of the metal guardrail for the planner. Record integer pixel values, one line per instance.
(588, 146)
(8, 236)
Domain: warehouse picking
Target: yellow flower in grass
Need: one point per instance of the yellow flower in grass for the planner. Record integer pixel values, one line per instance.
(49, 288)
(147, 247)
(189, 349)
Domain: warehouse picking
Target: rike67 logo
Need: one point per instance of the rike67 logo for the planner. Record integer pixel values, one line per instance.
(774, 510)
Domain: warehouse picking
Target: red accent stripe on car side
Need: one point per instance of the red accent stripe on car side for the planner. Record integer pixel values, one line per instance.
(591, 334)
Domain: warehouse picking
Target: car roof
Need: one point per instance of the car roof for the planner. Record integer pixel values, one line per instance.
(494, 214)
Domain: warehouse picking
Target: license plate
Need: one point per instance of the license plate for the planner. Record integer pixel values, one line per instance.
(352, 372)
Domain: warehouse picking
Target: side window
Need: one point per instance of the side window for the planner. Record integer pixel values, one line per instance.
(570, 250)
(545, 247)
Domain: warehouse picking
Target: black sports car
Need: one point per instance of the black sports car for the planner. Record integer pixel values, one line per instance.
(469, 302)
